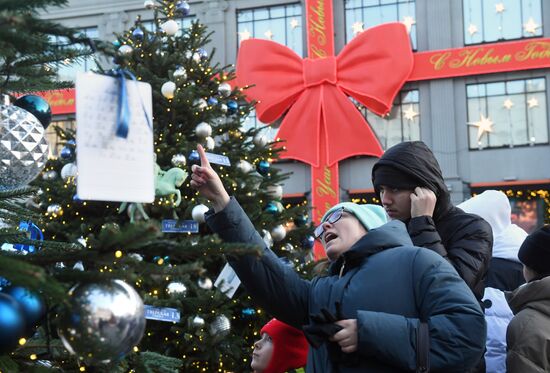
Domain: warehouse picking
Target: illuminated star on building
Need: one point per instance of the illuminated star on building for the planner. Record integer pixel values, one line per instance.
(500, 7)
(357, 27)
(409, 114)
(245, 35)
(532, 102)
(472, 29)
(483, 125)
(531, 26)
(268, 34)
(508, 104)
(408, 21)
(294, 23)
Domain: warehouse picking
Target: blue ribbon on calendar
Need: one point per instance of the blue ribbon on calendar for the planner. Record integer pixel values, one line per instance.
(123, 114)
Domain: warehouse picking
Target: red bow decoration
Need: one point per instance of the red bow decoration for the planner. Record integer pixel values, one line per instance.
(372, 68)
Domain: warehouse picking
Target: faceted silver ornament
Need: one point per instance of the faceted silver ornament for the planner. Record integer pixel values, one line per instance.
(224, 89)
(102, 322)
(178, 160)
(196, 322)
(23, 148)
(220, 327)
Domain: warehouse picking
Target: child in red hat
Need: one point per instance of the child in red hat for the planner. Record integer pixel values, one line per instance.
(282, 348)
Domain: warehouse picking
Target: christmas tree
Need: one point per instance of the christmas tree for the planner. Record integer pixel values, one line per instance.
(151, 247)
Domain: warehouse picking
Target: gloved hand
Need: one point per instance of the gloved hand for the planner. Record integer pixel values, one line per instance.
(321, 328)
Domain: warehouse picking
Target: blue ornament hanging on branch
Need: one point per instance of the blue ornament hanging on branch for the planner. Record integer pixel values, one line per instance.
(37, 106)
(263, 167)
(12, 324)
(138, 33)
(183, 8)
(31, 304)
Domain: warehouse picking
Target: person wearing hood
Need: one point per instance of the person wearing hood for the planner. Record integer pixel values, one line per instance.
(385, 305)
(505, 271)
(281, 349)
(411, 188)
(528, 335)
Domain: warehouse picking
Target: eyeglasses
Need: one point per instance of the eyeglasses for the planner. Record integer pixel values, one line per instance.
(332, 218)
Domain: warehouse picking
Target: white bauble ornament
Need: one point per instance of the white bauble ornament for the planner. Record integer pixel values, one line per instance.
(125, 50)
(168, 89)
(179, 160)
(180, 74)
(223, 108)
(244, 166)
(68, 171)
(203, 129)
(266, 236)
(174, 288)
(210, 143)
(205, 283)
(198, 213)
(278, 233)
(260, 140)
(224, 89)
(149, 4)
(275, 191)
(196, 322)
(170, 27)
(196, 57)
(200, 104)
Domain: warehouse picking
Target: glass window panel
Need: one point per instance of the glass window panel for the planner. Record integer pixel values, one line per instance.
(382, 2)
(534, 85)
(388, 13)
(515, 86)
(511, 16)
(538, 127)
(294, 10)
(532, 9)
(261, 13)
(244, 16)
(496, 89)
(518, 120)
(276, 12)
(500, 134)
(369, 3)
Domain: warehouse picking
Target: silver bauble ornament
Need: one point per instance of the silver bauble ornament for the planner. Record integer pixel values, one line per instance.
(149, 4)
(205, 283)
(23, 148)
(224, 89)
(49, 175)
(244, 166)
(170, 27)
(223, 108)
(209, 143)
(78, 266)
(278, 233)
(69, 170)
(266, 236)
(275, 191)
(220, 327)
(168, 89)
(200, 104)
(178, 160)
(196, 322)
(196, 57)
(125, 50)
(102, 322)
(260, 140)
(55, 210)
(198, 213)
(180, 74)
(203, 129)
(288, 247)
(176, 288)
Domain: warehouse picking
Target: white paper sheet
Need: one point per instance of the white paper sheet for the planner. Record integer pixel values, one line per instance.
(112, 168)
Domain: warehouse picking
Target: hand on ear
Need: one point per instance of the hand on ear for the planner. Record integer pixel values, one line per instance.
(423, 202)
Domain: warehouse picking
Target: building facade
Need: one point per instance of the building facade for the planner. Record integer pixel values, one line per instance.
(488, 131)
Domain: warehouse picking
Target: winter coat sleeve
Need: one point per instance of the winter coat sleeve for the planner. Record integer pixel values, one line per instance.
(525, 348)
(468, 247)
(456, 323)
(273, 285)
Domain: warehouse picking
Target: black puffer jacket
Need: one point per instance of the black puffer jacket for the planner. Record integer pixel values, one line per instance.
(465, 240)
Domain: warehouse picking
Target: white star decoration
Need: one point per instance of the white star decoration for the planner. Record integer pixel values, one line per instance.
(483, 125)
(357, 27)
(408, 21)
(294, 23)
(409, 114)
(532, 102)
(500, 7)
(508, 104)
(531, 26)
(268, 34)
(472, 29)
(245, 35)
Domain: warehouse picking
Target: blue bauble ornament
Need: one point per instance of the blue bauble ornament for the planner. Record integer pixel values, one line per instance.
(138, 33)
(116, 43)
(232, 107)
(212, 101)
(76, 198)
(194, 158)
(271, 208)
(31, 305)
(307, 242)
(4, 282)
(12, 324)
(300, 220)
(37, 106)
(263, 167)
(161, 261)
(71, 142)
(203, 54)
(66, 153)
(183, 8)
(248, 312)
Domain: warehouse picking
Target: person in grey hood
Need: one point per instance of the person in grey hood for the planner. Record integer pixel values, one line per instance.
(385, 305)
(411, 187)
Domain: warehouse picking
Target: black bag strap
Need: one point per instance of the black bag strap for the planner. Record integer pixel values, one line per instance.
(423, 348)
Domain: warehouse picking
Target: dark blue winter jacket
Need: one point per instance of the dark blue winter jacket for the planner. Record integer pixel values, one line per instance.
(384, 282)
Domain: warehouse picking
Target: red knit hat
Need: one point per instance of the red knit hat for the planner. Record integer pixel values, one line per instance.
(289, 347)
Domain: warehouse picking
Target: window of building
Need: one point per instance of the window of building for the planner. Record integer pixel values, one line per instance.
(402, 123)
(55, 142)
(490, 20)
(67, 70)
(507, 113)
(363, 14)
(280, 23)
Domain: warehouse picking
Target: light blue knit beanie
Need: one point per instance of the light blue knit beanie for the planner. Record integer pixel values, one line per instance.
(370, 216)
